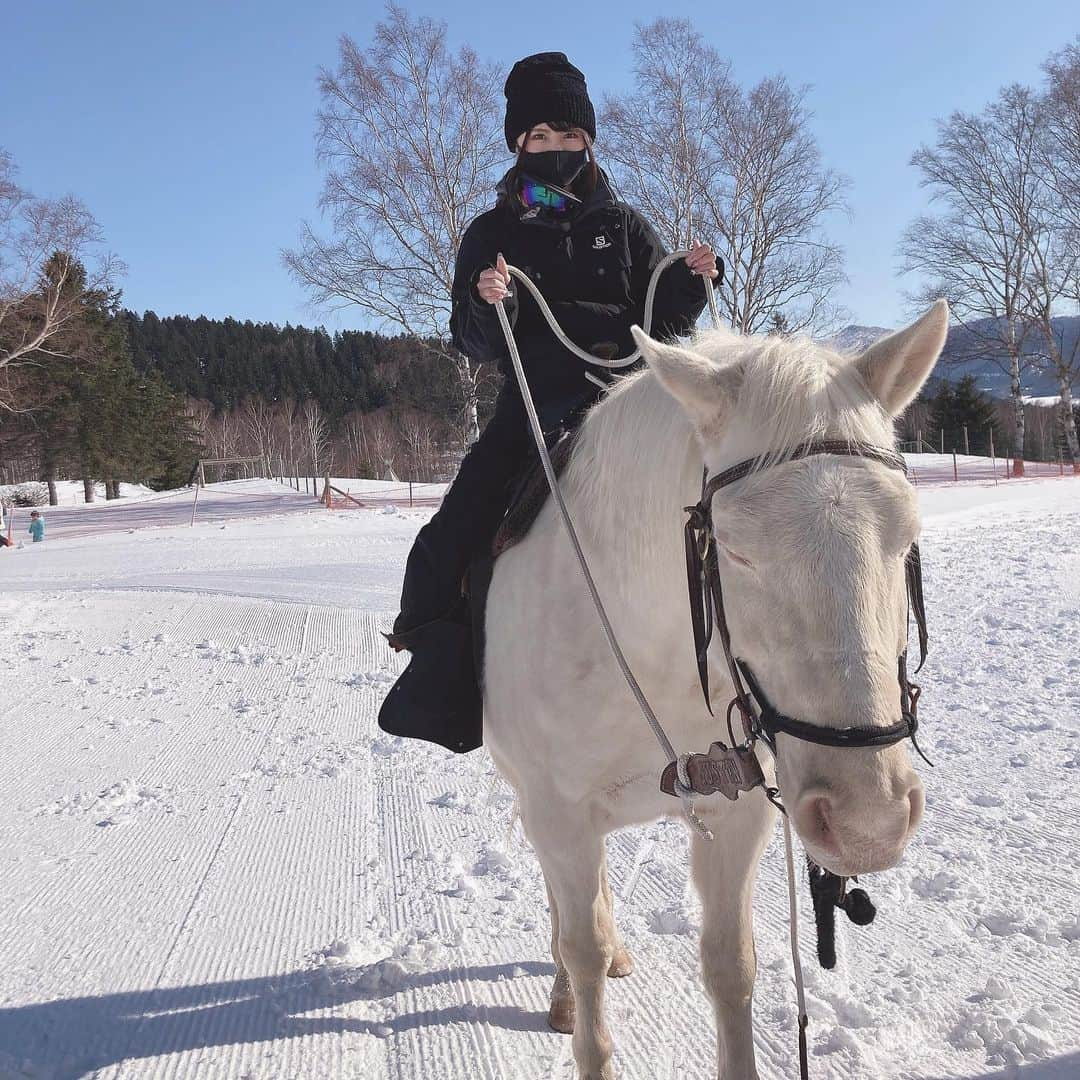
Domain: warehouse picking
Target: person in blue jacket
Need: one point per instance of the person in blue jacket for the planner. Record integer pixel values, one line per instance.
(557, 220)
(37, 527)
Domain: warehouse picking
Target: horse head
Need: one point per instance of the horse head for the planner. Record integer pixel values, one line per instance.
(812, 560)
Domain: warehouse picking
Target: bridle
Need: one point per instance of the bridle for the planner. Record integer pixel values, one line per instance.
(761, 720)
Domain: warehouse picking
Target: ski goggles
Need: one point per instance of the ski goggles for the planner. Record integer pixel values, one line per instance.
(534, 194)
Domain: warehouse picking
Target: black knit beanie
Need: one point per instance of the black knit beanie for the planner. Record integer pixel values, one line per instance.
(544, 88)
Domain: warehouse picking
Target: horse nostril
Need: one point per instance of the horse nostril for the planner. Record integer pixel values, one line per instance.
(813, 820)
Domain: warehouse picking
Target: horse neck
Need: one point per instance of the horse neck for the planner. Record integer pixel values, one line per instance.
(635, 466)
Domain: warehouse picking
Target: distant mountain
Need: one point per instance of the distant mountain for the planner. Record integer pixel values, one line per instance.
(967, 353)
(856, 339)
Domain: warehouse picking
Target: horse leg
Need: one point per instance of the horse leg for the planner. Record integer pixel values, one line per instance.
(724, 870)
(622, 963)
(561, 1008)
(572, 858)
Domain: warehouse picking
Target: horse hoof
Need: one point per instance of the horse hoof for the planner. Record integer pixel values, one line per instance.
(622, 964)
(561, 1016)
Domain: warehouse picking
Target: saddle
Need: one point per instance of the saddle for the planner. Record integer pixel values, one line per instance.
(531, 493)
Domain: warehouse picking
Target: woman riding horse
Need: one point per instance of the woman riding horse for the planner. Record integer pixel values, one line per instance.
(557, 220)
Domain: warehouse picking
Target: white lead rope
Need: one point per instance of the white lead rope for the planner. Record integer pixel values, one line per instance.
(682, 783)
(650, 296)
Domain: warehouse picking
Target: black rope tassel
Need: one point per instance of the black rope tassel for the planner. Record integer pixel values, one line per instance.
(830, 892)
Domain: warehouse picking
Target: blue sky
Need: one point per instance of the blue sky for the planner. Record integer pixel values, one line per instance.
(188, 128)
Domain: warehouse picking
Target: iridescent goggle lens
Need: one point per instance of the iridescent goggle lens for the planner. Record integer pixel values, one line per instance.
(536, 194)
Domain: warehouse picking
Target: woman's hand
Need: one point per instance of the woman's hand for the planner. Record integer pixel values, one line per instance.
(494, 285)
(702, 259)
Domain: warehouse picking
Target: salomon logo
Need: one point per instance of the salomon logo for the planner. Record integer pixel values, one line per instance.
(600, 242)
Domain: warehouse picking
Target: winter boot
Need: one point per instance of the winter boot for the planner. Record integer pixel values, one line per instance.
(437, 698)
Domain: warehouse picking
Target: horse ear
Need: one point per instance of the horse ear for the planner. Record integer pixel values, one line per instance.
(704, 389)
(896, 367)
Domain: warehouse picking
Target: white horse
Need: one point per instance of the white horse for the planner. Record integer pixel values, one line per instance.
(812, 562)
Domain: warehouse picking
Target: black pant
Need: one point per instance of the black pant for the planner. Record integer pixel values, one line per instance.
(475, 503)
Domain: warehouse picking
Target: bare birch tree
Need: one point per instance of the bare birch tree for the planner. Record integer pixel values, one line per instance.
(316, 430)
(37, 307)
(1057, 278)
(1060, 135)
(411, 138)
(659, 140)
(262, 424)
(983, 173)
(357, 452)
(383, 443)
(419, 444)
(290, 435)
(700, 155)
(222, 434)
(1052, 278)
(770, 204)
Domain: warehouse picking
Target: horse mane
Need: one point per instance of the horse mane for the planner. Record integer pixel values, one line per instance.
(636, 451)
(792, 390)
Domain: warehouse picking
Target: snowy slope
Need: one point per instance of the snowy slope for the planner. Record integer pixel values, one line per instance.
(855, 338)
(214, 865)
(72, 493)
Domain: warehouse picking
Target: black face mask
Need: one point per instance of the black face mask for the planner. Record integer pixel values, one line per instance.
(558, 167)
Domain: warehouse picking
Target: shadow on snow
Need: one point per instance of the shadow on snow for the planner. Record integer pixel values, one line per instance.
(1062, 1068)
(66, 1038)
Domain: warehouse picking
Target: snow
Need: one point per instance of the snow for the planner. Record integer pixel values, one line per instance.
(214, 865)
(72, 493)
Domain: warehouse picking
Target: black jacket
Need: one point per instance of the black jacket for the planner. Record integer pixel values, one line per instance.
(593, 270)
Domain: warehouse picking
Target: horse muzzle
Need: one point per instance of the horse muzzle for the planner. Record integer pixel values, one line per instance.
(849, 834)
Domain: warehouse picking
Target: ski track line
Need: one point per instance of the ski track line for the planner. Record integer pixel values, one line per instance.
(470, 1050)
(290, 1028)
(480, 920)
(216, 851)
(27, 747)
(96, 894)
(131, 846)
(123, 745)
(340, 812)
(112, 693)
(129, 849)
